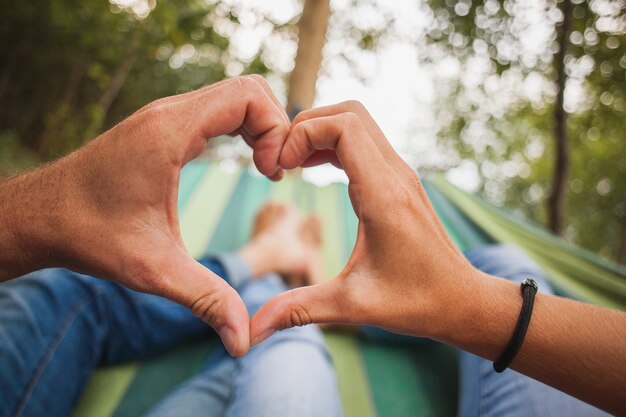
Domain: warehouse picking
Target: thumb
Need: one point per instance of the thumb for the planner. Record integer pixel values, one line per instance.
(214, 301)
(320, 303)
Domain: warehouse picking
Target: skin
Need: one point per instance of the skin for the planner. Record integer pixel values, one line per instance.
(110, 208)
(405, 275)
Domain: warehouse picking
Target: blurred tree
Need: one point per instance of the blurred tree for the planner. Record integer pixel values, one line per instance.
(538, 84)
(69, 69)
(556, 200)
(350, 36)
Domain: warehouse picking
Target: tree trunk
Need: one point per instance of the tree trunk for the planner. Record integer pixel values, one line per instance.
(311, 39)
(556, 201)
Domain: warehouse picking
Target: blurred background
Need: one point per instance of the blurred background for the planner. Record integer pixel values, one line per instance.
(521, 101)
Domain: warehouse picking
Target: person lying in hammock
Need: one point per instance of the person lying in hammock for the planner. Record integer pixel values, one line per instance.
(110, 210)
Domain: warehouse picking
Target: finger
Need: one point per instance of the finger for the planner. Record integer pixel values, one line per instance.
(368, 121)
(211, 299)
(323, 303)
(251, 139)
(278, 176)
(249, 102)
(392, 158)
(322, 157)
(345, 134)
(263, 83)
(242, 104)
(179, 98)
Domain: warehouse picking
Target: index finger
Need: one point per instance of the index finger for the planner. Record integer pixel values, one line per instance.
(369, 123)
(240, 103)
(346, 136)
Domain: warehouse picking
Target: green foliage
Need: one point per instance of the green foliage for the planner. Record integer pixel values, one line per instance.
(514, 150)
(70, 69)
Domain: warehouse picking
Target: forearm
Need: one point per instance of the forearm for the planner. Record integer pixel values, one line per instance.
(575, 347)
(27, 208)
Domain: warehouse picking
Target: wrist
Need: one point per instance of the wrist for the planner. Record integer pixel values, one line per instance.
(29, 213)
(16, 256)
(480, 315)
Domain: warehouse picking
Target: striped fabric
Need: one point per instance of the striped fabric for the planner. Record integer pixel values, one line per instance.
(417, 378)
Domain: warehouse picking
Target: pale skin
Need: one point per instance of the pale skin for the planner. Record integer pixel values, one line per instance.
(109, 210)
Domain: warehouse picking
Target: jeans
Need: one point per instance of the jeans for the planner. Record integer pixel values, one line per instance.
(57, 326)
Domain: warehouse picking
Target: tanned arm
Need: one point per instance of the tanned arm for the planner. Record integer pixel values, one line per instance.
(110, 208)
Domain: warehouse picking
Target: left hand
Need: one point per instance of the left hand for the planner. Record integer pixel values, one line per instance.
(110, 208)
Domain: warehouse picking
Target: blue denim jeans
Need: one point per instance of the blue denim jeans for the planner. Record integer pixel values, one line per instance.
(56, 327)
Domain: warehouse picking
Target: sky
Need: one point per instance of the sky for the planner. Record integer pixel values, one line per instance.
(389, 95)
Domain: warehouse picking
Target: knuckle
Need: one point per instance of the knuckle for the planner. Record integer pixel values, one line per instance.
(208, 307)
(296, 316)
(156, 103)
(259, 79)
(157, 127)
(302, 129)
(402, 196)
(249, 84)
(282, 131)
(238, 84)
(154, 115)
(354, 106)
(351, 120)
(415, 182)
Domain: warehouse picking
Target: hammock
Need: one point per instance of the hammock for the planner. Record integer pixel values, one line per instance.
(216, 207)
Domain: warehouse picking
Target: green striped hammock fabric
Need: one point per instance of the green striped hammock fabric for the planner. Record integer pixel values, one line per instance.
(216, 208)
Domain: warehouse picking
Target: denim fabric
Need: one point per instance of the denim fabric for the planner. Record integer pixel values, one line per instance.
(56, 326)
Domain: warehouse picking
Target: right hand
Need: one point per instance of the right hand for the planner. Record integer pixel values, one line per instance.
(404, 270)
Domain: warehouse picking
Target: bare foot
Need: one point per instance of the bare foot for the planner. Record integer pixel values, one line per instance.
(282, 242)
(311, 233)
(276, 244)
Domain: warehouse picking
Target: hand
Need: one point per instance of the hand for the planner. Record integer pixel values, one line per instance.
(404, 271)
(405, 274)
(110, 209)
